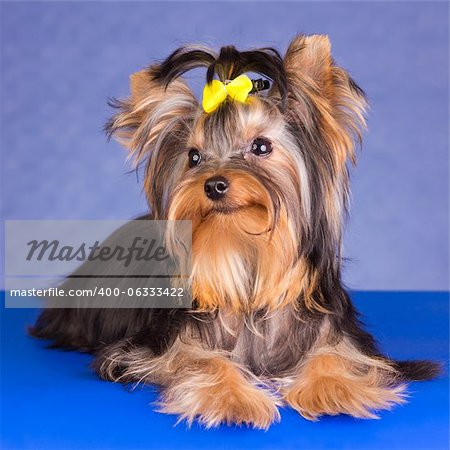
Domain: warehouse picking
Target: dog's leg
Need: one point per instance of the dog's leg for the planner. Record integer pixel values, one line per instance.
(197, 383)
(340, 379)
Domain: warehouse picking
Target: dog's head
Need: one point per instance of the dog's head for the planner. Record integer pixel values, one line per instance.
(263, 179)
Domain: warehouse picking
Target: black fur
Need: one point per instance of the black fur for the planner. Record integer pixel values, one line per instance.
(229, 64)
(94, 330)
(102, 331)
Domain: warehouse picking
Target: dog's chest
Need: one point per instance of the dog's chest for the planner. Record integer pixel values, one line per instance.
(271, 345)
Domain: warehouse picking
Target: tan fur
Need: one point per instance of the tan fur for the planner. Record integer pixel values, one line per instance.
(198, 384)
(212, 387)
(237, 270)
(151, 106)
(340, 379)
(316, 81)
(224, 268)
(246, 263)
(311, 69)
(233, 268)
(216, 392)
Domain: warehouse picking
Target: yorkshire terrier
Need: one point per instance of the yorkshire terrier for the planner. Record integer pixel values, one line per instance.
(260, 168)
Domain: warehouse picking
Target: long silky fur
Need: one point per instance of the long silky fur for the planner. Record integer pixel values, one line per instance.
(272, 302)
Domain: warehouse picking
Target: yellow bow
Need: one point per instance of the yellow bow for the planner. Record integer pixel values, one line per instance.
(216, 92)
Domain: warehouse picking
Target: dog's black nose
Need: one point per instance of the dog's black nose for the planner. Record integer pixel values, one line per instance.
(216, 187)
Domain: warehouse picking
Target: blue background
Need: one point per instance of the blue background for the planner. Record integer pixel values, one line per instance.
(62, 60)
(52, 400)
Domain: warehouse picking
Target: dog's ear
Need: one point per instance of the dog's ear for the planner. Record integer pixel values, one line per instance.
(153, 123)
(140, 84)
(323, 95)
(151, 113)
(309, 56)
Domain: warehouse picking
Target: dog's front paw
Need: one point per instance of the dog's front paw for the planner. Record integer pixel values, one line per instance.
(225, 397)
(334, 389)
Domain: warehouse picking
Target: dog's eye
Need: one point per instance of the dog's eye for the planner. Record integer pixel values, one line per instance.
(261, 147)
(194, 157)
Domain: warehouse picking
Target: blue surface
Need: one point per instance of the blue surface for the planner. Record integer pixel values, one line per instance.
(51, 400)
(61, 60)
